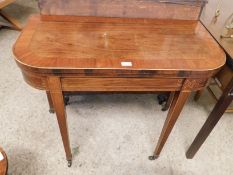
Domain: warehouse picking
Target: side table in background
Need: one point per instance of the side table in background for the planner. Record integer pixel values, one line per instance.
(7, 20)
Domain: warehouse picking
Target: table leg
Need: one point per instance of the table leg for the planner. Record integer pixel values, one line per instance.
(51, 108)
(169, 101)
(198, 95)
(59, 107)
(212, 120)
(15, 23)
(174, 112)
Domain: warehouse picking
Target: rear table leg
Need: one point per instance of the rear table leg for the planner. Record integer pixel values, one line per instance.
(51, 108)
(162, 98)
(168, 102)
(66, 99)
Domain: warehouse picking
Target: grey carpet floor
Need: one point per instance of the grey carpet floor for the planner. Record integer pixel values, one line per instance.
(110, 134)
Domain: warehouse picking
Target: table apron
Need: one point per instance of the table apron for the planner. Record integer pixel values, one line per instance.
(121, 84)
(116, 84)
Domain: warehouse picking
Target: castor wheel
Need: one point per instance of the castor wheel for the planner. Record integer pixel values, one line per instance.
(162, 98)
(152, 157)
(165, 107)
(69, 163)
(51, 111)
(66, 99)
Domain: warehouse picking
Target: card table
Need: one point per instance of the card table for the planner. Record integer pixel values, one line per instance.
(60, 54)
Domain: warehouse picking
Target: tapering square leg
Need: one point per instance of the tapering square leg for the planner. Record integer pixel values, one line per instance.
(59, 107)
(178, 102)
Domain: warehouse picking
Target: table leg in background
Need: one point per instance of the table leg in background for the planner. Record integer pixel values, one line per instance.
(169, 101)
(15, 23)
(51, 108)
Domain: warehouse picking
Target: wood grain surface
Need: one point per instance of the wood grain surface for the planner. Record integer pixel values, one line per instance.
(212, 120)
(121, 84)
(63, 54)
(104, 43)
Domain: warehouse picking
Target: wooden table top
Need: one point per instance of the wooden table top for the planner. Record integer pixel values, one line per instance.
(68, 43)
(3, 163)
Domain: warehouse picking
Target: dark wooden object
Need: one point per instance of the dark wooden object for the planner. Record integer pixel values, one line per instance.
(168, 101)
(216, 25)
(212, 120)
(3, 163)
(165, 100)
(221, 80)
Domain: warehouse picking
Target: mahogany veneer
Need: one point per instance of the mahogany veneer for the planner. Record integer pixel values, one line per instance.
(62, 54)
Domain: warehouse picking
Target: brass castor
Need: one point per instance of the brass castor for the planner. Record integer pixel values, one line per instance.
(51, 111)
(165, 108)
(153, 157)
(69, 163)
(66, 99)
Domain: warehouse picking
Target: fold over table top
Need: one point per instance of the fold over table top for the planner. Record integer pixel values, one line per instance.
(70, 43)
